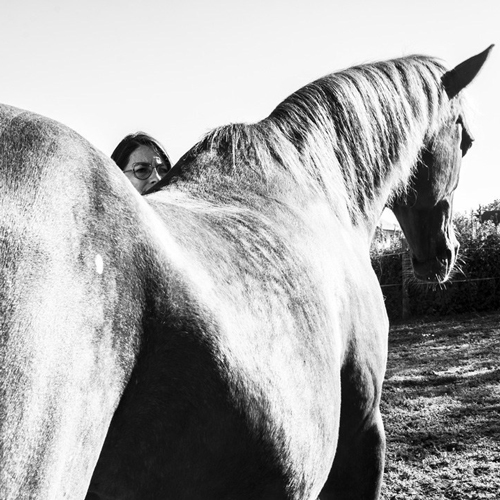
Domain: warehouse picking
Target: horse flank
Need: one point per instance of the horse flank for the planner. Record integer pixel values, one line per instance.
(351, 137)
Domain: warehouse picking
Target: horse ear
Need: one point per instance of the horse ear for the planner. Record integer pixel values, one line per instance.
(458, 78)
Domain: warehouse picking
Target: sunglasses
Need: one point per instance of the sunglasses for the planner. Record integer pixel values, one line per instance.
(143, 170)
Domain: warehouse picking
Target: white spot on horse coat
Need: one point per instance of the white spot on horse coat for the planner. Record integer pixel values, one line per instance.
(99, 264)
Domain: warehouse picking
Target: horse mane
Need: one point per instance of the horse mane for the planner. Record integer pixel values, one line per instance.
(344, 135)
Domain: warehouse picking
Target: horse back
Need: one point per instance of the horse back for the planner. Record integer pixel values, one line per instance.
(237, 385)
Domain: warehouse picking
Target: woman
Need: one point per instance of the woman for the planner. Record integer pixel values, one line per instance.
(142, 159)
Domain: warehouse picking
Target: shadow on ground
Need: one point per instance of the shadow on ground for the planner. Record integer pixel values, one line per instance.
(441, 408)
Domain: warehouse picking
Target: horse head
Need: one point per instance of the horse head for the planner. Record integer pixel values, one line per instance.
(424, 211)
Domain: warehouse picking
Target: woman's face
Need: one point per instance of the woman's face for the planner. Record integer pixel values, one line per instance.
(142, 159)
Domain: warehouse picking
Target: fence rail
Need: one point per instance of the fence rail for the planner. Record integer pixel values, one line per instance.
(450, 282)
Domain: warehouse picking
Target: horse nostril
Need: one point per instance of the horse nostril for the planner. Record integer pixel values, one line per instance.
(449, 255)
(445, 256)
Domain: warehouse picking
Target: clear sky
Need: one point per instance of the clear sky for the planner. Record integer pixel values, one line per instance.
(177, 68)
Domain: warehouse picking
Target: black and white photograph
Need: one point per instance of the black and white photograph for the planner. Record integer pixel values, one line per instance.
(249, 250)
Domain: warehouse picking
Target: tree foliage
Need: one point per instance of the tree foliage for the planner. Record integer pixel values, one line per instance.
(494, 205)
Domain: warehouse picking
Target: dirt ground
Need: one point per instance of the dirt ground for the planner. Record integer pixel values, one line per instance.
(441, 409)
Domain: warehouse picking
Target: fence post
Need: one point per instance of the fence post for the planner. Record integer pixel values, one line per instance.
(406, 270)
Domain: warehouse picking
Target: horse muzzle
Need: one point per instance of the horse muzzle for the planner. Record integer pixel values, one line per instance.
(436, 269)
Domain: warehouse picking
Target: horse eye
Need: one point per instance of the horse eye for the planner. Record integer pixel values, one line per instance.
(467, 139)
(465, 146)
(466, 142)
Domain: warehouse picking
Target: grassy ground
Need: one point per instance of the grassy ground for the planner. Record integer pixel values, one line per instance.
(441, 409)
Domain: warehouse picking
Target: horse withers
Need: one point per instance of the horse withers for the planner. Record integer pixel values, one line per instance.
(231, 320)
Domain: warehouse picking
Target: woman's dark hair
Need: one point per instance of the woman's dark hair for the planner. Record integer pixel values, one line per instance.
(131, 142)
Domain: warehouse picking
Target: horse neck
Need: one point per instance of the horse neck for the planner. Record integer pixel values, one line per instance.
(359, 132)
(355, 161)
(357, 192)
